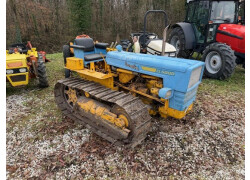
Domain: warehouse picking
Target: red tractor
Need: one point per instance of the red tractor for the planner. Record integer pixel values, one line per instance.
(211, 28)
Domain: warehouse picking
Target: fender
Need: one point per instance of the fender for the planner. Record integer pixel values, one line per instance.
(188, 32)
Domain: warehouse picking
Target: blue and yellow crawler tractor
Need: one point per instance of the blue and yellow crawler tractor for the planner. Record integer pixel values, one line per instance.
(115, 93)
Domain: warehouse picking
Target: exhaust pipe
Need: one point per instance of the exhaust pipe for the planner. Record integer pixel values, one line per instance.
(164, 40)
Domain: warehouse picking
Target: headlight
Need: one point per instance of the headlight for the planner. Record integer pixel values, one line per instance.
(195, 76)
(172, 55)
(22, 70)
(9, 71)
(165, 93)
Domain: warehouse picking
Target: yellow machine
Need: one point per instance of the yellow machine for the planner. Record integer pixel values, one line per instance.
(117, 91)
(17, 70)
(23, 63)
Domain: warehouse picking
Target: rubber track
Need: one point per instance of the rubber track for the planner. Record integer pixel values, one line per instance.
(133, 106)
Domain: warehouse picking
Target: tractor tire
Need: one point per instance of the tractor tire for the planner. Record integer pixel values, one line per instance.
(66, 54)
(177, 39)
(41, 72)
(67, 73)
(220, 61)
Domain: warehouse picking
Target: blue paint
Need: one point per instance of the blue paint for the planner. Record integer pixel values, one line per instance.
(175, 73)
(119, 48)
(100, 51)
(79, 53)
(163, 91)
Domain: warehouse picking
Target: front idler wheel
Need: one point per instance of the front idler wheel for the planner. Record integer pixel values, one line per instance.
(70, 96)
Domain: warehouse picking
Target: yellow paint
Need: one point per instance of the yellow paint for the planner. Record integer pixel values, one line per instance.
(148, 69)
(101, 78)
(146, 100)
(111, 49)
(124, 118)
(149, 77)
(152, 112)
(32, 52)
(74, 63)
(92, 67)
(15, 57)
(87, 94)
(124, 71)
(154, 91)
(166, 111)
(106, 78)
(104, 113)
(178, 114)
(163, 112)
(19, 83)
(19, 60)
(125, 78)
(139, 92)
(72, 95)
(154, 84)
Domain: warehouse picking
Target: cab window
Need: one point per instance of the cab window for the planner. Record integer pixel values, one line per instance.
(198, 15)
(223, 12)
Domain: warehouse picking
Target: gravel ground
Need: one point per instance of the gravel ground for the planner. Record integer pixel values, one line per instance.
(209, 143)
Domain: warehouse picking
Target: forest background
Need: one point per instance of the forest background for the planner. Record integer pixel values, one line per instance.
(49, 24)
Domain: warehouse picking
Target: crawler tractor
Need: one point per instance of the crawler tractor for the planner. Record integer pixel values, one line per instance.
(115, 92)
(211, 28)
(24, 62)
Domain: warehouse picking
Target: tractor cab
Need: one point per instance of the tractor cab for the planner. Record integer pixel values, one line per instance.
(205, 17)
(213, 29)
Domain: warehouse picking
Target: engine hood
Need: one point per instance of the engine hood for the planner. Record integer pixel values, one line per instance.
(233, 35)
(156, 45)
(235, 29)
(116, 58)
(10, 57)
(175, 72)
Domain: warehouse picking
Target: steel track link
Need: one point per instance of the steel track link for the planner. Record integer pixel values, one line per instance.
(133, 106)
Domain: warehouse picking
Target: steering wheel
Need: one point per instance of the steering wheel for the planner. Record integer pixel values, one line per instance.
(141, 39)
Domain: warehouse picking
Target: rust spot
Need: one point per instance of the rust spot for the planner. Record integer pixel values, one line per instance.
(15, 64)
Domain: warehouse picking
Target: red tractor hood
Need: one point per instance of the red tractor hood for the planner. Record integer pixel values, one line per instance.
(233, 35)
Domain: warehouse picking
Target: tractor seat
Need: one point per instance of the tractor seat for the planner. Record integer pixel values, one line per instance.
(91, 57)
(87, 44)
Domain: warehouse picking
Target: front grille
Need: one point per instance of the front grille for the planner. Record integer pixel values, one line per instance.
(181, 101)
(18, 78)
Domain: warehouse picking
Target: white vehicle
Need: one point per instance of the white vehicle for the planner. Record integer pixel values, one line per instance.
(150, 42)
